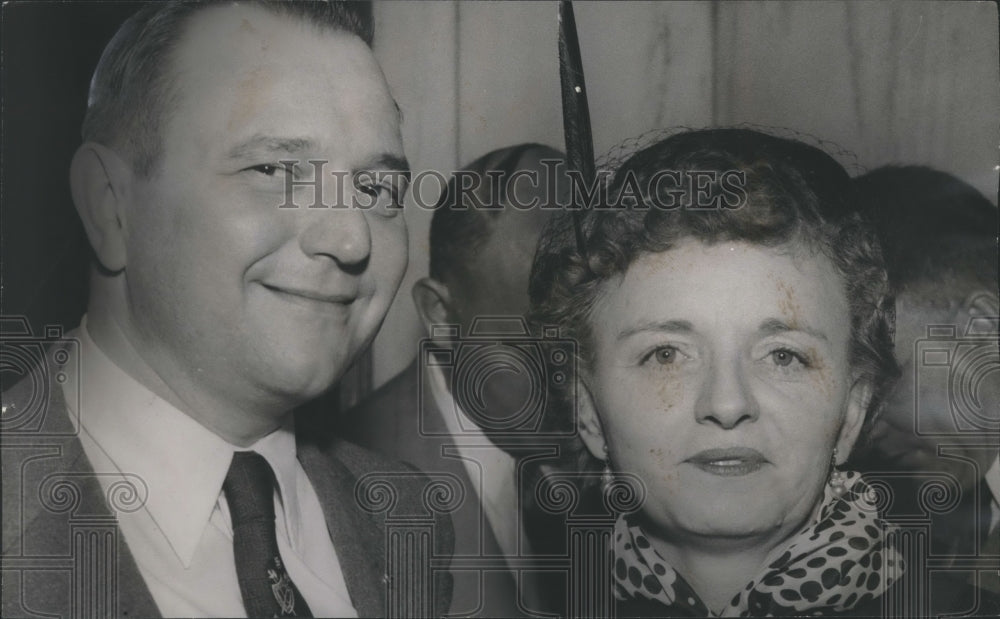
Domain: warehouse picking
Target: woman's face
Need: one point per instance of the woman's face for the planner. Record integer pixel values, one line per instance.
(721, 378)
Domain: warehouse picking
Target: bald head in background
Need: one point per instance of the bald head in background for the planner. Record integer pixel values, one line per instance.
(484, 233)
(482, 240)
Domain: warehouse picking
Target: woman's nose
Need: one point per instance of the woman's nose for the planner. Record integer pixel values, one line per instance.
(725, 399)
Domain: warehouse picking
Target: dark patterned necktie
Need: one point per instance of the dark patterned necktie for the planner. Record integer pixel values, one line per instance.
(267, 589)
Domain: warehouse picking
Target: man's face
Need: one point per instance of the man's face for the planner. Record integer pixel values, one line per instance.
(497, 285)
(226, 290)
(926, 408)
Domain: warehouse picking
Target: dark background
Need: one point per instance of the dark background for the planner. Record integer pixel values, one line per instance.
(49, 52)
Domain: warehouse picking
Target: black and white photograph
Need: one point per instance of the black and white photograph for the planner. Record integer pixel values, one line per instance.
(319, 308)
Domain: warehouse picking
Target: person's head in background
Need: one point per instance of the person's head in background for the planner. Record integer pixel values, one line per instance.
(482, 242)
(213, 296)
(939, 236)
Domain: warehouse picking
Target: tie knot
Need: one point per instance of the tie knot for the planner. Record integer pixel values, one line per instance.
(249, 488)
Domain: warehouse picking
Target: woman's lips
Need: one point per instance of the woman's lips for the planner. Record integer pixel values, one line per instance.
(729, 461)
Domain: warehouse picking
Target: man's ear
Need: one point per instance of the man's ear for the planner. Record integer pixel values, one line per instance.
(589, 424)
(857, 406)
(433, 301)
(101, 184)
(979, 312)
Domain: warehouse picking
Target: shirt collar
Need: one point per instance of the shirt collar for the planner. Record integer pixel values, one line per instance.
(278, 448)
(993, 480)
(455, 418)
(182, 463)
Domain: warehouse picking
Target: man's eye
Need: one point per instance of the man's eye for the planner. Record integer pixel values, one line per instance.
(269, 169)
(377, 191)
(384, 198)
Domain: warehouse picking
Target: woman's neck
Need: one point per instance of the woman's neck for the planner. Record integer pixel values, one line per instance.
(717, 569)
(717, 578)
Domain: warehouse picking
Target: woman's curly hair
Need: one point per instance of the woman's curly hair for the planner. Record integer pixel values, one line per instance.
(791, 191)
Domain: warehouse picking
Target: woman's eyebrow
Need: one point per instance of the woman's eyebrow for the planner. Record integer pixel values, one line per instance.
(670, 326)
(773, 326)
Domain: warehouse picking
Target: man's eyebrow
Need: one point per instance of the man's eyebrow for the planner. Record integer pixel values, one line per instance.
(269, 144)
(670, 326)
(386, 161)
(773, 326)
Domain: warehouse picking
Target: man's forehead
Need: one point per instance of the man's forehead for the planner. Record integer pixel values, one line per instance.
(244, 71)
(248, 19)
(247, 35)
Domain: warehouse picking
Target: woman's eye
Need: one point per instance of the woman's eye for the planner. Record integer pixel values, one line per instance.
(664, 355)
(785, 358)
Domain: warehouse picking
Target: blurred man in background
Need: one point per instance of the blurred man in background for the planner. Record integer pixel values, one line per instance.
(939, 236)
(454, 409)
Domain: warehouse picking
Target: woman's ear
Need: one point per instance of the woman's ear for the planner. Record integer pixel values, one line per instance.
(857, 406)
(433, 301)
(101, 185)
(588, 423)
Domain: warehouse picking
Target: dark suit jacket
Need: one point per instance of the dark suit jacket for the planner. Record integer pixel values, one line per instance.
(63, 554)
(390, 421)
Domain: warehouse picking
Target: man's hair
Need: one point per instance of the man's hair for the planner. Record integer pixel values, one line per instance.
(793, 193)
(938, 233)
(460, 228)
(133, 88)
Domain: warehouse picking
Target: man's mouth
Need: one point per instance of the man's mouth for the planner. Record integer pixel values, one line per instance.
(729, 461)
(311, 297)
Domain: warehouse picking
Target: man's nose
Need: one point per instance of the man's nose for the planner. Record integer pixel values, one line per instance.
(725, 399)
(341, 234)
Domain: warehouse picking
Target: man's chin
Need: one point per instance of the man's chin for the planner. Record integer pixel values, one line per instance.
(303, 382)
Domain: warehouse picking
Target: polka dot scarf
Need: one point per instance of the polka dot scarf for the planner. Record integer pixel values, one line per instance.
(839, 561)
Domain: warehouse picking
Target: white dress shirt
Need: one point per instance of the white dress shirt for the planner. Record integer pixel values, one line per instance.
(182, 537)
(993, 482)
(492, 470)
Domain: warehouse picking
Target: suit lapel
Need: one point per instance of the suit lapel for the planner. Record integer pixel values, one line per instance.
(46, 530)
(493, 592)
(356, 536)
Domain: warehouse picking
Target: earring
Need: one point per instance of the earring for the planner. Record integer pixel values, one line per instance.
(838, 480)
(607, 477)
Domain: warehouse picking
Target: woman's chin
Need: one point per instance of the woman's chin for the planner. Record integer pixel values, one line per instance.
(739, 529)
(733, 518)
